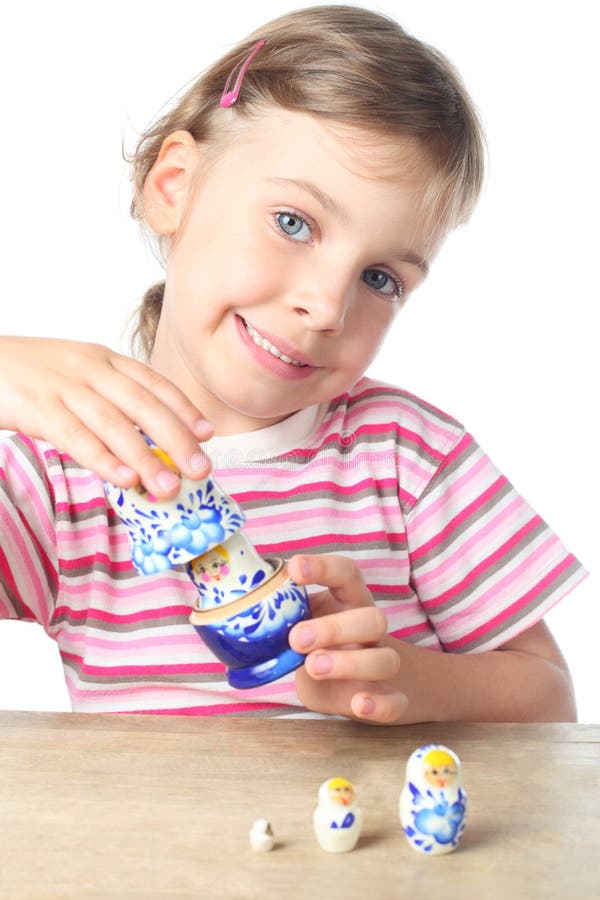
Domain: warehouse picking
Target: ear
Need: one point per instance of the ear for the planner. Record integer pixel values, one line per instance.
(168, 181)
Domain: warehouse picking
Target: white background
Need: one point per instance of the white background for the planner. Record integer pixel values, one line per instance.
(503, 335)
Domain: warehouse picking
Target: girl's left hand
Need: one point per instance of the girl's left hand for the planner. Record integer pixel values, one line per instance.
(349, 670)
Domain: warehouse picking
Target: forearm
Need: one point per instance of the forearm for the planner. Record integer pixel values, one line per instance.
(505, 685)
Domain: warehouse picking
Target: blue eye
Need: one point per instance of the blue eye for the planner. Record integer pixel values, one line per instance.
(292, 223)
(383, 283)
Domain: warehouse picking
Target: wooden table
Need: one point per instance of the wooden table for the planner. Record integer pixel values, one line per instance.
(144, 806)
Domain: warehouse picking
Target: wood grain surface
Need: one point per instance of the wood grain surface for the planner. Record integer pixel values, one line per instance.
(145, 806)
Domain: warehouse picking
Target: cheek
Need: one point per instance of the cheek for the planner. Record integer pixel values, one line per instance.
(368, 333)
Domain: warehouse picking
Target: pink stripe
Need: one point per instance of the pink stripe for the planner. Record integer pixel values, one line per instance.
(317, 540)
(482, 534)
(454, 488)
(410, 630)
(483, 566)
(217, 710)
(76, 477)
(390, 507)
(313, 487)
(83, 561)
(115, 645)
(72, 509)
(515, 607)
(27, 568)
(454, 523)
(412, 412)
(502, 589)
(388, 430)
(26, 482)
(276, 687)
(150, 669)
(141, 586)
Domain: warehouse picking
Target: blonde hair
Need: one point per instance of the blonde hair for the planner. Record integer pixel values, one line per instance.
(439, 758)
(344, 64)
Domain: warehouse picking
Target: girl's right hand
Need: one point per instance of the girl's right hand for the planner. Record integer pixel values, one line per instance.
(85, 400)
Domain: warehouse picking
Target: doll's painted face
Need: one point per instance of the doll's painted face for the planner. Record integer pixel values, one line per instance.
(340, 792)
(439, 769)
(212, 566)
(291, 263)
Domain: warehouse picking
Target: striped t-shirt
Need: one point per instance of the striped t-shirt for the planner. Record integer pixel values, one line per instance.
(454, 556)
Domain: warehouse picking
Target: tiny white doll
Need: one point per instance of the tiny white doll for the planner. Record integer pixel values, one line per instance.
(261, 836)
(336, 820)
(433, 804)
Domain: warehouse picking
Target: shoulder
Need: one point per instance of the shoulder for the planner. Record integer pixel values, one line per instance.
(413, 421)
(33, 466)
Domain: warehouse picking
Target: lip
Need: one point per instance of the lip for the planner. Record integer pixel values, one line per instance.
(268, 360)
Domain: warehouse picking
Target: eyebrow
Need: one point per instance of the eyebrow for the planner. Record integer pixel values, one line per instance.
(332, 206)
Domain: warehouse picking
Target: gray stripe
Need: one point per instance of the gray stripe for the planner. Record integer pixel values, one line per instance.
(119, 627)
(31, 458)
(441, 548)
(147, 678)
(343, 449)
(522, 613)
(320, 496)
(449, 469)
(390, 395)
(540, 528)
(76, 516)
(87, 569)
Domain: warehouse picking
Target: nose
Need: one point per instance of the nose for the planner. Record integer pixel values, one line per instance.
(323, 305)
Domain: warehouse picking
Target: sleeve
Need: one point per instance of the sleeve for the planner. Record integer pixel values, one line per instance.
(28, 555)
(484, 565)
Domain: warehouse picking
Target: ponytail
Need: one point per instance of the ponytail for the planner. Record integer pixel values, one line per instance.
(146, 321)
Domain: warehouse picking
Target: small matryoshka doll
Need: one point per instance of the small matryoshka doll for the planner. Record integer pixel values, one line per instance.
(433, 804)
(336, 820)
(261, 836)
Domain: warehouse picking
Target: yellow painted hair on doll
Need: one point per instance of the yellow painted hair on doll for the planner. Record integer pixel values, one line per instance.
(335, 784)
(439, 758)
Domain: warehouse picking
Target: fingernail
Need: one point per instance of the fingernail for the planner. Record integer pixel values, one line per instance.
(305, 637)
(305, 567)
(167, 480)
(322, 664)
(125, 472)
(203, 429)
(367, 706)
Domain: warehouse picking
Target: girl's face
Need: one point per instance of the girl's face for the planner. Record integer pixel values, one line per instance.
(291, 264)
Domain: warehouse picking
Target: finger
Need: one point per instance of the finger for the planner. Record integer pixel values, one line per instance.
(385, 706)
(116, 433)
(339, 573)
(364, 625)
(160, 409)
(378, 704)
(363, 664)
(70, 433)
(167, 393)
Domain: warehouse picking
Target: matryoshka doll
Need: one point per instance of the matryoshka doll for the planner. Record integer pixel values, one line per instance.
(336, 819)
(433, 804)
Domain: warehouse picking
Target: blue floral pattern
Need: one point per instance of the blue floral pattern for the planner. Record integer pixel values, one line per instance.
(434, 817)
(162, 537)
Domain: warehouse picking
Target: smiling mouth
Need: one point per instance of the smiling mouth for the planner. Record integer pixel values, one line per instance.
(261, 341)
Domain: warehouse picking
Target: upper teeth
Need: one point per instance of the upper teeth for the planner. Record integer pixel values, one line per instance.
(267, 345)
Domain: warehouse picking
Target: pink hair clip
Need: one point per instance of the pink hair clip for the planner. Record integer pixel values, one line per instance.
(229, 97)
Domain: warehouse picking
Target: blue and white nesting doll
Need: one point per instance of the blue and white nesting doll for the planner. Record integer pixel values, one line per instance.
(337, 820)
(246, 605)
(433, 804)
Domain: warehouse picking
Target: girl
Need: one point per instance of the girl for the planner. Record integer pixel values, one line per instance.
(299, 192)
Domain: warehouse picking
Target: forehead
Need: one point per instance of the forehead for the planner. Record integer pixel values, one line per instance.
(301, 136)
(359, 168)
